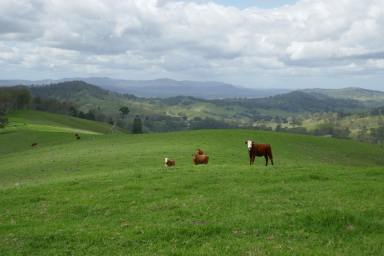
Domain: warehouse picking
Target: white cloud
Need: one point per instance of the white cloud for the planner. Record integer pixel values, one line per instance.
(187, 38)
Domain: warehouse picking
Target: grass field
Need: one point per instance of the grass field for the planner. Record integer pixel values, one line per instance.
(109, 194)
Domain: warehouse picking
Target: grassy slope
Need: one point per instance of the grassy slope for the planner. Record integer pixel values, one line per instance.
(54, 122)
(110, 195)
(47, 129)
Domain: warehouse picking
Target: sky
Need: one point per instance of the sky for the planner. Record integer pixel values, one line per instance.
(252, 43)
(258, 3)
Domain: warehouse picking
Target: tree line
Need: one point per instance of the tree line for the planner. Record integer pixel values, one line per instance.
(20, 98)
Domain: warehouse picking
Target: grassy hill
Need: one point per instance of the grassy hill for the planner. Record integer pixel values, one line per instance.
(48, 121)
(45, 128)
(110, 195)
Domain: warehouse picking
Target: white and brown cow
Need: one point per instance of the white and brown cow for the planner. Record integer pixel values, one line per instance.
(259, 150)
(169, 162)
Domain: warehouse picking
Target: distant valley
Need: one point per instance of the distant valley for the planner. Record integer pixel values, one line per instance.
(346, 113)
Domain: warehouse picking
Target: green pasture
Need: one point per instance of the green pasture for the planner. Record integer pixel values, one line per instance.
(109, 194)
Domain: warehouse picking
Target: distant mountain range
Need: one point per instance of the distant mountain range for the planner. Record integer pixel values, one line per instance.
(163, 88)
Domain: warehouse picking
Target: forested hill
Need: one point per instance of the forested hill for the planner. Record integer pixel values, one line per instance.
(163, 88)
(183, 112)
(368, 97)
(294, 102)
(298, 102)
(69, 91)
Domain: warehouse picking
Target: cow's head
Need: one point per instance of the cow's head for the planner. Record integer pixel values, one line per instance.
(249, 144)
(165, 160)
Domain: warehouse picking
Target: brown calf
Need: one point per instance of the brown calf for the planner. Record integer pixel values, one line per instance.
(169, 162)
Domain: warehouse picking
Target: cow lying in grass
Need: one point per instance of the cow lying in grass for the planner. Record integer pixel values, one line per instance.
(259, 150)
(199, 157)
(169, 162)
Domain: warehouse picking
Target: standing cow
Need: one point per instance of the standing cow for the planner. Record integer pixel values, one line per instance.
(259, 150)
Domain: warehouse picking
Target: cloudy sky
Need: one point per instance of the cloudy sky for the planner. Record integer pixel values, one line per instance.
(253, 43)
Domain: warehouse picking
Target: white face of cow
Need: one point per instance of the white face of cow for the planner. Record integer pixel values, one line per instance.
(165, 160)
(249, 144)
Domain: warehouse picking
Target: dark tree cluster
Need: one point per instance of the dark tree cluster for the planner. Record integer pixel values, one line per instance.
(51, 105)
(332, 130)
(164, 123)
(373, 135)
(137, 126)
(208, 123)
(13, 98)
(3, 119)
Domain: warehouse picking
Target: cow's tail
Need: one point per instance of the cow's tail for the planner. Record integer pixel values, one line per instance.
(270, 153)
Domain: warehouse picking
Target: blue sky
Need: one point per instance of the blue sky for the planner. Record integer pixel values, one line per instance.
(315, 43)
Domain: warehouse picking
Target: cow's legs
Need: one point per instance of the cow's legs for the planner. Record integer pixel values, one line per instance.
(251, 158)
(266, 160)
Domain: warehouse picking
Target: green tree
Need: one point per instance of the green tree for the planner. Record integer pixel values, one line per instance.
(124, 111)
(73, 111)
(378, 135)
(3, 119)
(137, 125)
(23, 98)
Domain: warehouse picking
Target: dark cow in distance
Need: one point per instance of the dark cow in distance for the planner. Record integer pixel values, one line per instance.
(259, 150)
(199, 157)
(34, 144)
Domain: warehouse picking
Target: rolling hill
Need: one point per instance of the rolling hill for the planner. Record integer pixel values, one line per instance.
(298, 102)
(32, 127)
(28, 119)
(369, 97)
(109, 194)
(88, 96)
(162, 88)
(183, 113)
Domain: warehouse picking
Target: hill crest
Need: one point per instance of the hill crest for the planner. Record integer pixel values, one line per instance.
(162, 88)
